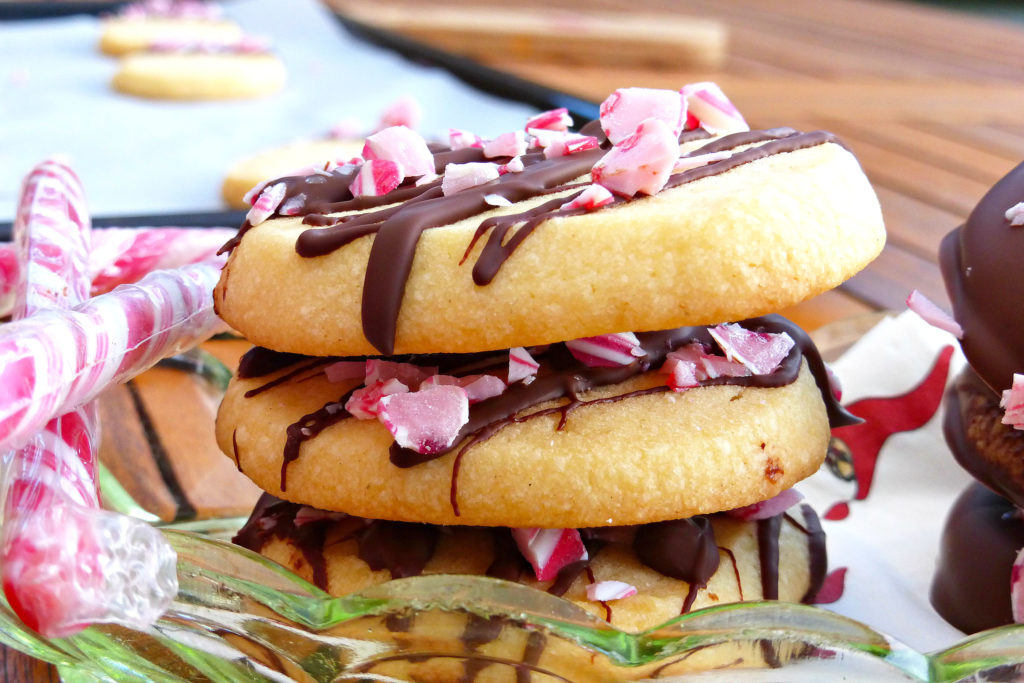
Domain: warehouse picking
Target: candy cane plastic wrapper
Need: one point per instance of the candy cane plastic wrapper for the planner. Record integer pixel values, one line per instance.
(66, 562)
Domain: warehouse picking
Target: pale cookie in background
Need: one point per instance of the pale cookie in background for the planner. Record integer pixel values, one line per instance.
(246, 173)
(175, 75)
(635, 459)
(123, 35)
(745, 241)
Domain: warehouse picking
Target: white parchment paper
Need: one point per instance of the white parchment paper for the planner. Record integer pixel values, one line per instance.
(138, 156)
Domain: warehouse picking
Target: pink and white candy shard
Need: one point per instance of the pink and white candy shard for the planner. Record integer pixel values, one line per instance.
(564, 144)
(463, 139)
(310, 515)
(404, 111)
(1015, 214)
(1017, 588)
(426, 421)
(344, 370)
(410, 374)
(761, 352)
(515, 165)
(549, 550)
(605, 591)
(402, 145)
(933, 314)
(640, 163)
(458, 177)
(266, 203)
(764, 509)
(553, 119)
(9, 277)
(709, 106)
(592, 197)
(364, 403)
(606, 350)
(705, 365)
(376, 177)
(477, 387)
(506, 145)
(497, 200)
(521, 366)
(1012, 403)
(626, 108)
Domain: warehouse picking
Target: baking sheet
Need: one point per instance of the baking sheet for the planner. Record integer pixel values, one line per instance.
(141, 157)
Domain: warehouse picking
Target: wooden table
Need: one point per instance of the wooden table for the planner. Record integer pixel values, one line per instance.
(931, 101)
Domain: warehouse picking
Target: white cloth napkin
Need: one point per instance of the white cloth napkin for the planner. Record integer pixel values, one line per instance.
(138, 156)
(889, 541)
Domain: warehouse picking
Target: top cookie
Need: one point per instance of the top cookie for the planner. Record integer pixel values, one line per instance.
(745, 223)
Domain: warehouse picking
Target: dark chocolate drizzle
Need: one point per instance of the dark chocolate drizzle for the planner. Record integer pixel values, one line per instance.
(981, 265)
(398, 227)
(682, 549)
(562, 377)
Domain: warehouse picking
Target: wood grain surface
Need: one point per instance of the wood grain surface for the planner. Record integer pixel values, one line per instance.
(930, 100)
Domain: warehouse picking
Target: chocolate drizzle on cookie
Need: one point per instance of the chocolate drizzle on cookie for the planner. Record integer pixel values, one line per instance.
(684, 549)
(402, 215)
(560, 378)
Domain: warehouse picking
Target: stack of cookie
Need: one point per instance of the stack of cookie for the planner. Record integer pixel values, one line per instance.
(514, 357)
(983, 423)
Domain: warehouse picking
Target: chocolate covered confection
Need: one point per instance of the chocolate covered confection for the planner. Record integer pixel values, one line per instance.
(985, 530)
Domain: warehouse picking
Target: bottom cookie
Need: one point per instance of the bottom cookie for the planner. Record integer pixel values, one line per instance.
(199, 76)
(675, 567)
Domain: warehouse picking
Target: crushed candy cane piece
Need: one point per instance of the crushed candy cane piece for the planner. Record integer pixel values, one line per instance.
(760, 351)
(682, 374)
(293, 205)
(364, 403)
(712, 110)
(458, 177)
(521, 366)
(1017, 588)
(1015, 214)
(346, 129)
(426, 179)
(592, 197)
(553, 119)
(378, 370)
(402, 145)
(569, 143)
(685, 163)
(707, 365)
(549, 550)
(604, 591)
(266, 203)
(626, 108)
(515, 165)
(497, 200)
(932, 314)
(345, 370)
(764, 509)
(405, 111)
(1012, 402)
(506, 145)
(478, 387)
(463, 139)
(311, 515)
(640, 163)
(377, 177)
(426, 421)
(606, 350)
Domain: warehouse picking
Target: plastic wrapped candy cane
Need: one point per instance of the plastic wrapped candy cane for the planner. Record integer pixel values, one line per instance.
(66, 562)
(122, 255)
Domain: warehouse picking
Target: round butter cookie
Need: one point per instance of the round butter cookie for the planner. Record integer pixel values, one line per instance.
(578, 446)
(776, 217)
(246, 173)
(724, 559)
(183, 75)
(123, 35)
